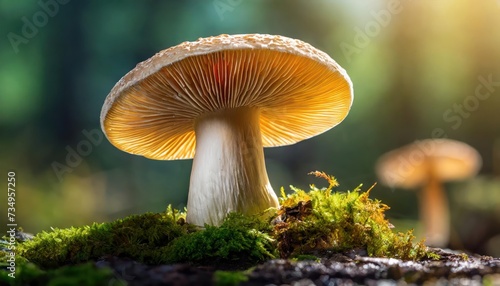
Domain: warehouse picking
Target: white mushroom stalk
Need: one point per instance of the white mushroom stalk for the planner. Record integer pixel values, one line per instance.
(229, 172)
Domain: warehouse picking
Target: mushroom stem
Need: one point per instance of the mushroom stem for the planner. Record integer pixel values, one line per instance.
(229, 173)
(434, 213)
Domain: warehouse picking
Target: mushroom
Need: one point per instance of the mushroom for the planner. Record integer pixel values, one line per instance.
(429, 163)
(220, 100)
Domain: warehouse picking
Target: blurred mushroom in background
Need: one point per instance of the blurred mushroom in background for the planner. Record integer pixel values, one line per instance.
(428, 164)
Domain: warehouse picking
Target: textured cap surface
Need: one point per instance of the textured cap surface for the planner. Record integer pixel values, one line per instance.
(299, 90)
(413, 164)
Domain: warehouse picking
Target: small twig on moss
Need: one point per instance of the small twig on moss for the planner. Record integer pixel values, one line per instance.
(331, 179)
(373, 186)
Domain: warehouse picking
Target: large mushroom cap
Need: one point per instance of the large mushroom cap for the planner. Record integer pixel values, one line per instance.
(410, 166)
(299, 90)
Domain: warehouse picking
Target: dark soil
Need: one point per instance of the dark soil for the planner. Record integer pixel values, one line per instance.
(335, 269)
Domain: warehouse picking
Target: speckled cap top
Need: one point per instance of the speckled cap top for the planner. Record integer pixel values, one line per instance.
(299, 90)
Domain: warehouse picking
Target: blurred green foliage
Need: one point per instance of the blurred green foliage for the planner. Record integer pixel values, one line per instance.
(416, 68)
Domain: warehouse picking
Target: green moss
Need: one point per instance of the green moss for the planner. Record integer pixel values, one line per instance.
(306, 225)
(139, 237)
(24, 272)
(229, 278)
(239, 238)
(305, 257)
(153, 239)
(84, 274)
(319, 220)
(464, 256)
